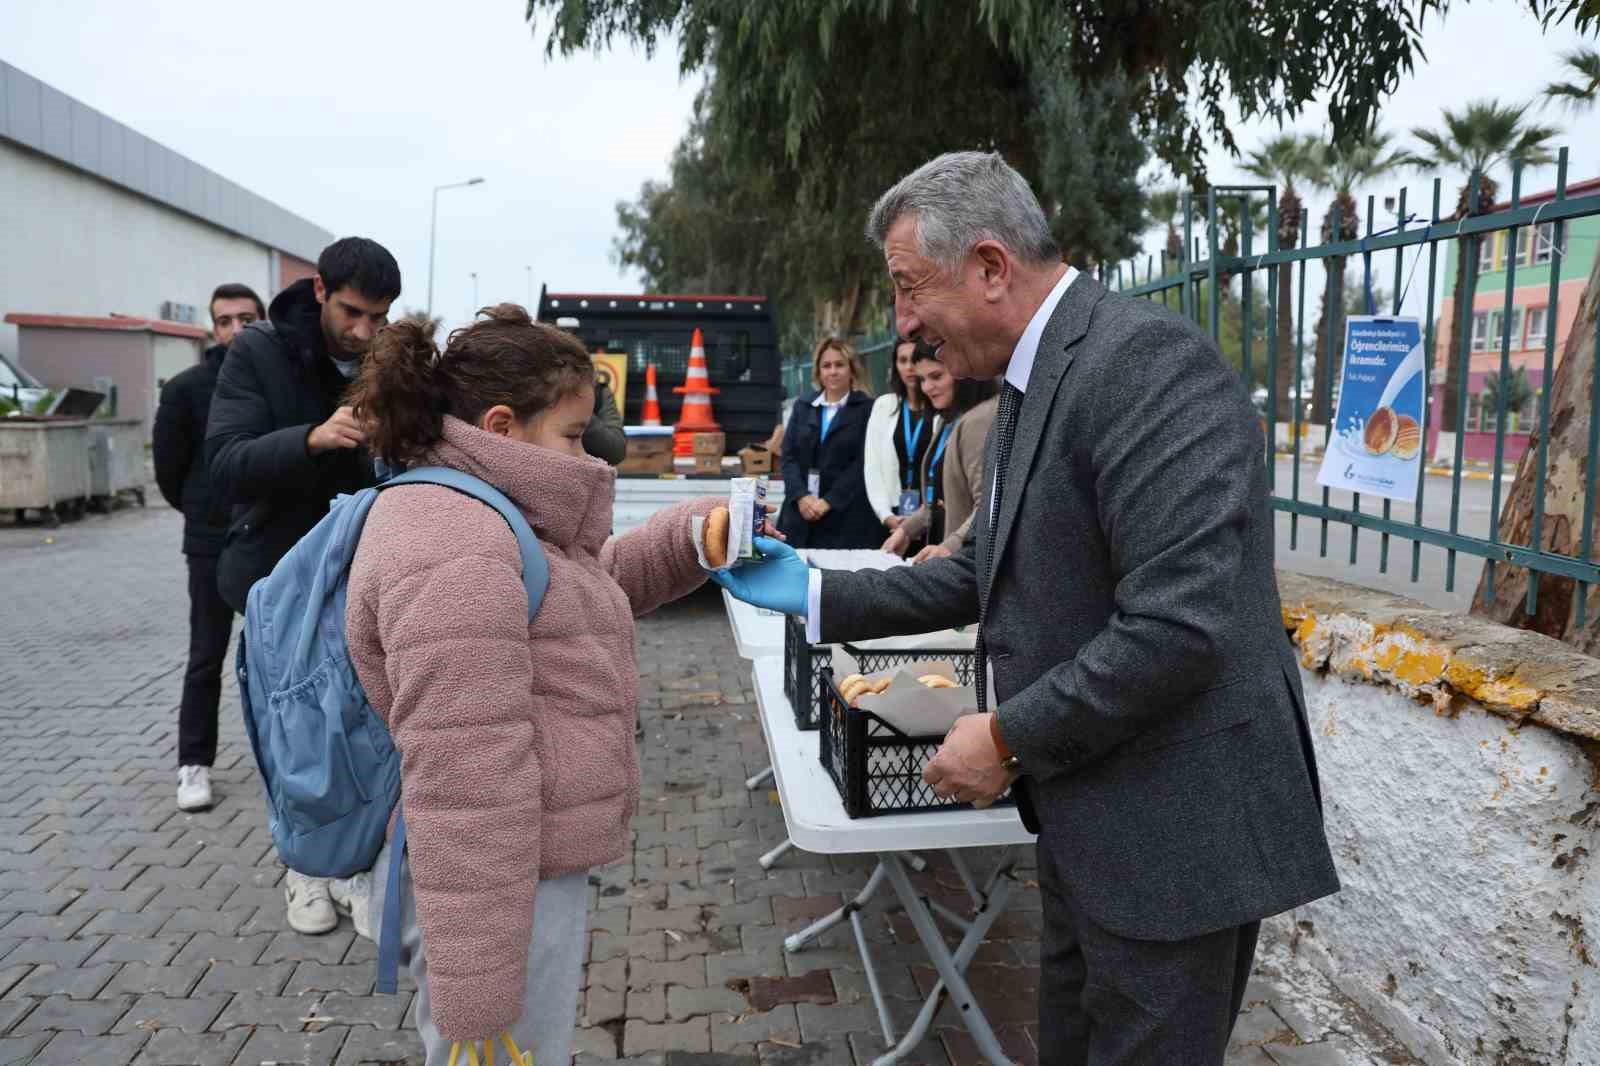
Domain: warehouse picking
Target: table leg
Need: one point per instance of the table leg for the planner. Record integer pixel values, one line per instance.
(951, 968)
(796, 941)
(768, 860)
(761, 778)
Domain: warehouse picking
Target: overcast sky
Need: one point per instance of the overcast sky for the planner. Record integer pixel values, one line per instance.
(349, 114)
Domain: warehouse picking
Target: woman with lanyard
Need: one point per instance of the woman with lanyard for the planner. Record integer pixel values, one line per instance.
(951, 400)
(825, 495)
(898, 436)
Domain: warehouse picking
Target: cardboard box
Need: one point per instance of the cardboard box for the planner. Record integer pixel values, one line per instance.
(710, 443)
(757, 459)
(648, 455)
(708, 464)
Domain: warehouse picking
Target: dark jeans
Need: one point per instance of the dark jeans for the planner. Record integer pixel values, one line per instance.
(210, 626)
(1108, 1001)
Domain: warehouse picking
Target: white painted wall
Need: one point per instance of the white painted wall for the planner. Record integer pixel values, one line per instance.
(71, 244)
(1466, 848)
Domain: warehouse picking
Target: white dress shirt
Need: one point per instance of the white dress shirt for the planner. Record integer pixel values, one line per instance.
(1018, 371)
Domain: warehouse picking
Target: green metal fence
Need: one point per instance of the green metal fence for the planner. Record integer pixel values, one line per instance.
(1195, 285)
(876, 351)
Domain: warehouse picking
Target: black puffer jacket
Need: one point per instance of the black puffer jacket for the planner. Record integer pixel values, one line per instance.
(179, 443)
(276, 385)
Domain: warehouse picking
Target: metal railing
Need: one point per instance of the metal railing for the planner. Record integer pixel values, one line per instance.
(1196, 286)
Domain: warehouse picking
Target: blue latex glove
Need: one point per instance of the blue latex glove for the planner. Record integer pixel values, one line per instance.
(780, 581)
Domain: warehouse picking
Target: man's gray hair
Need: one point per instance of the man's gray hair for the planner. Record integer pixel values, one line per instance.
(962, 198)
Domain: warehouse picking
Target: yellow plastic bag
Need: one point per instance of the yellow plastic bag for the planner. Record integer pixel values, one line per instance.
(518, 1056)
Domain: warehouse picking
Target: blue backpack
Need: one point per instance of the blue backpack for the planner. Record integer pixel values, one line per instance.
(329, 765)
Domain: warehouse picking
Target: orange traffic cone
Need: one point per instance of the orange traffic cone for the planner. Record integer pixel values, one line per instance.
(697, 392)
(652, 405)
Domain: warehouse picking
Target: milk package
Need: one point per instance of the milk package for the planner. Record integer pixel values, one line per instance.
(747, 508)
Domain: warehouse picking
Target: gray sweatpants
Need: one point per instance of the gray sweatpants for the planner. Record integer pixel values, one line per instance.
(555, 966)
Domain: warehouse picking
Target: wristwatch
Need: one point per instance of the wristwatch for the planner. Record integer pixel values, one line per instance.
(1011, 764)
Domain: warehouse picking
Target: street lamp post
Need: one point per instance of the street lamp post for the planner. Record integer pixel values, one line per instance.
(529, 269)
(474, 296)
(433, 230)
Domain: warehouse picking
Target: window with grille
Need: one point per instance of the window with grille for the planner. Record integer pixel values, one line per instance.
(1480, 331)
(1545, 245)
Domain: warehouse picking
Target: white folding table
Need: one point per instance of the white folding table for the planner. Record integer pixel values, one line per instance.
(815, 817)
(758, 632)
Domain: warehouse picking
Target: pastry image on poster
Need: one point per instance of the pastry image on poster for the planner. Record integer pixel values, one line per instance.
(1376, 444)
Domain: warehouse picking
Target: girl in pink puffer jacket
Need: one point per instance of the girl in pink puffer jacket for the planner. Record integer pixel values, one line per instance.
(518, 769)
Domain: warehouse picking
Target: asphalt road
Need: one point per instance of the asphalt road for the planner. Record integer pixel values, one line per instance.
(1307, 556)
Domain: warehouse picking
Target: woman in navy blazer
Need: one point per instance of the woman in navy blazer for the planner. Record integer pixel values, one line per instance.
(824, 486)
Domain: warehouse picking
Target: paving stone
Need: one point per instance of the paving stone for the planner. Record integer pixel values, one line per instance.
(60, 953)
(594, 1043)
(83, 982)
(602, 1004)
(372, 1047)
(744, 1031)
(377, 1011)
(302, 1049)
(832, 1051)
(611, 974)
(642, 973)
(650, 946)
(90, 1016)
(962, 1049)
(641, 1038)
(209, 947)
(75, 1049)
(13, 1011)
(153, 1013)
(355, 980)
(288, 1013)
(172, 1047)
(647, 1004)
(231, 977)
(138, 923)
(683, 1003)
(1257, 1027)
(817, 1020)
(225, 922)
(869, 1046)
(20, 1049)
(157, 951)
(328, 949)
(144, 978)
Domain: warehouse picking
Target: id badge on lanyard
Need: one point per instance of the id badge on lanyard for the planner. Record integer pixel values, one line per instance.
(814, 483)
(909, 502)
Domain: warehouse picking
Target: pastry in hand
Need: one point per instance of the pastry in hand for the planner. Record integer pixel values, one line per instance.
(714, 538)
(936, 681)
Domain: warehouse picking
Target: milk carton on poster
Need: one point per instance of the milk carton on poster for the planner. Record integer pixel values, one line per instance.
(1376, 445)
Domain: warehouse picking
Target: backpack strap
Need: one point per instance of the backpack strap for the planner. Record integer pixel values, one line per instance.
(389, 929)
(535, 568)
(535, 579)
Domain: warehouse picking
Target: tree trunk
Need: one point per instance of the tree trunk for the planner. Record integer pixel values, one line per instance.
(1562, 533)
(1327, 342)
(1289, 214)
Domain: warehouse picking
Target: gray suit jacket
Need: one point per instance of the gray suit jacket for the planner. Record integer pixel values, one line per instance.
(1135, 633)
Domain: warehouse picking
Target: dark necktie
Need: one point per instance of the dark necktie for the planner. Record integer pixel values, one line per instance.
(1005, 431)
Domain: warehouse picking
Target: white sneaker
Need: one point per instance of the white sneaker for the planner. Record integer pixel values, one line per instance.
(310, 907)
(194, 788)
(353, 896)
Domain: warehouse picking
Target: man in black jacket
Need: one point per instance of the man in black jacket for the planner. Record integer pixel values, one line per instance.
(178, 440)
(281, 444)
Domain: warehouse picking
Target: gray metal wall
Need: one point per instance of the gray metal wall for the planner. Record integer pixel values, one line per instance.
(48, 121)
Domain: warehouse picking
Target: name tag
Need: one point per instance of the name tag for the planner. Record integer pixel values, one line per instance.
(814, 483)
(909, 501)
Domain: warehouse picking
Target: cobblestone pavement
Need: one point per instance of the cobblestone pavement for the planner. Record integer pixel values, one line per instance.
(133, 933)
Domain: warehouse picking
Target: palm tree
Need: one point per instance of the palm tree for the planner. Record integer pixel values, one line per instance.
(1164, 205)
(1583, 91)
(1341, 169)
(1481, 138)
(1283, 160)
(428, 322)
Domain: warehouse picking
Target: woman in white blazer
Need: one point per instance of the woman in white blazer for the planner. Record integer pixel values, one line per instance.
(897, 437)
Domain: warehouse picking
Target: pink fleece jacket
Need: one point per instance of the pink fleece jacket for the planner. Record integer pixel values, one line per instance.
(516, 739)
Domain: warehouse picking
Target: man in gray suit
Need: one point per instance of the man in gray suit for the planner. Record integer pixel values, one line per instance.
(1149, 714)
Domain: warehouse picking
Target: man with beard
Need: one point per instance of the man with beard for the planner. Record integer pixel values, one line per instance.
(281, 443)
(178, 441)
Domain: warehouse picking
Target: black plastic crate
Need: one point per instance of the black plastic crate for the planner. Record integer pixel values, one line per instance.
(802, 672)
(876, 767)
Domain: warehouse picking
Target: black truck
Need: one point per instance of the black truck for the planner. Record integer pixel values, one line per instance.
(741, 339)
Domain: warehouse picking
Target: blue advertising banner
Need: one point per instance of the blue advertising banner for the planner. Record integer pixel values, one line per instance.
(1376, 445)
